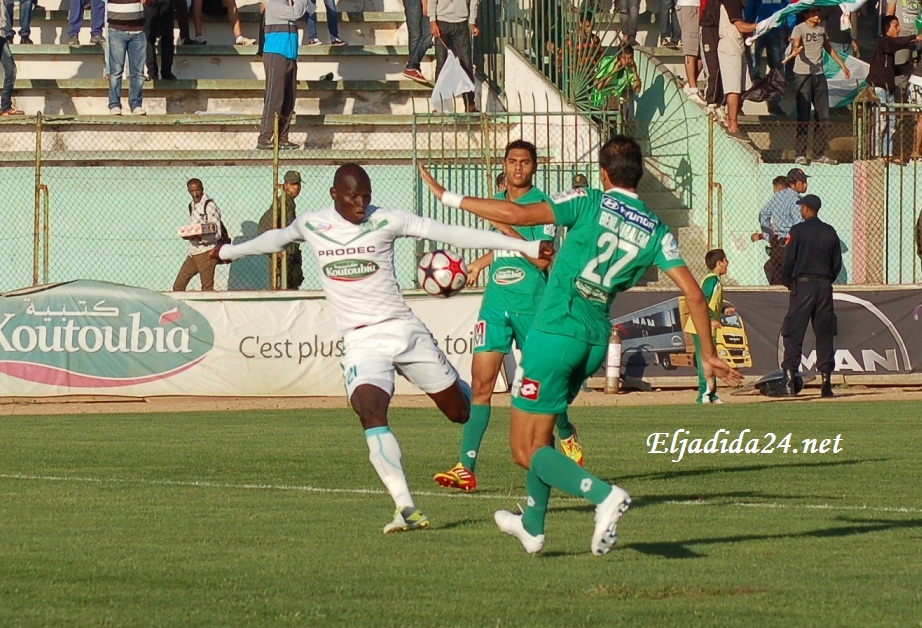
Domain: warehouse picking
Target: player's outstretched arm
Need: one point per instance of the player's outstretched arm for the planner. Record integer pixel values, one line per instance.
(494, 210)
(701, 317)
(467, 238)
(272, 241)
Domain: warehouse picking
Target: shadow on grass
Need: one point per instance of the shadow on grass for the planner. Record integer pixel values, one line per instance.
(684, 549)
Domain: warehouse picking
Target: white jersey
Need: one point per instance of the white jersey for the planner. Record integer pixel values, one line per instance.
(357, 261)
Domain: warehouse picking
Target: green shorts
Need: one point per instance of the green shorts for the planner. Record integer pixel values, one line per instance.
(496, 329)
(552, 370)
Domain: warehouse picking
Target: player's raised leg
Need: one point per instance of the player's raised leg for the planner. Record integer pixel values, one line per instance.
(484, 371)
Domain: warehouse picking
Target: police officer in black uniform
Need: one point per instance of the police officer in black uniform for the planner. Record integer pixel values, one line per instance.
(812, 261)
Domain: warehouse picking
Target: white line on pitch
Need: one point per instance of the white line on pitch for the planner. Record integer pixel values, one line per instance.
(373, 491)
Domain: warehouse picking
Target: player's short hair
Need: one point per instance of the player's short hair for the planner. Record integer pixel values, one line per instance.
(622, 159)
(712, 257)
(886, 21)
(780, 180)
(522, 145)
(198, 181)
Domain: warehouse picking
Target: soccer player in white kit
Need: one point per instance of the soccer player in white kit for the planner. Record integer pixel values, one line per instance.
(353, 242)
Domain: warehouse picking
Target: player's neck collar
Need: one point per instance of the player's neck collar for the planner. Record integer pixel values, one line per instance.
(624, 191)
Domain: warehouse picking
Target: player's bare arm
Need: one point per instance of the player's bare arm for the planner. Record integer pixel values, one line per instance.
(700, 315)
(495, 210)
(476, 267)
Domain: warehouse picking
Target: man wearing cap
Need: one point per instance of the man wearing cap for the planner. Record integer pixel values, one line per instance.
(812, 261)
(287, 212)
(776, 219)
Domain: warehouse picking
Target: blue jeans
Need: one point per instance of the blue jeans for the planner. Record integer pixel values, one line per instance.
(134, 46)
(882, 141)
(417, 32)
(25, 17)
(773, 45)
(75, 17)
(332, 20)
(9, 76)
(630, 14)
(668, 23)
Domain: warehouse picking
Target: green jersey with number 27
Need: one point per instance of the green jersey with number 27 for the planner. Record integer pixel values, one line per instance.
(611, 240)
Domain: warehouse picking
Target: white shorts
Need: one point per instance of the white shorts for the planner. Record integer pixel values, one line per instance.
(732, 71)
(373, 354)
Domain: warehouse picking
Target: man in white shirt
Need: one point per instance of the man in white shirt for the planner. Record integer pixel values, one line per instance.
(202, 211)
(353, 242)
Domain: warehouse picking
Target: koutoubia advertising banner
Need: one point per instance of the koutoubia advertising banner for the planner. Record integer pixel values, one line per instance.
(91, 337)
(97, 338)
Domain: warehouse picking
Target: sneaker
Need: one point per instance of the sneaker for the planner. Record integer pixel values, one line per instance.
(98, 40)
(703, 399)
(692, 93)
(457, 477)
(800, 160)
(286, 145)
(512, 524)
(25, 41)
(199, 41)
(716, 399)
(314, 42)
(407, 520)
(73, 41)
(607, 515)
(336, 41)
(115, 111)
(825, 161)
(415, 75)
(168, 76)
(244, 41)
(139, 111)
(571, 449)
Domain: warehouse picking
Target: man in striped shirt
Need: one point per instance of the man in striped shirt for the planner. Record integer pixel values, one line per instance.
(126, 39)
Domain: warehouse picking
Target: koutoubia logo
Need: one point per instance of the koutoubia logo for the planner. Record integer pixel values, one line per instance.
(92, 334)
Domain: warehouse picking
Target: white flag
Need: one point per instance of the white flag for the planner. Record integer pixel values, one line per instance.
(452, 81)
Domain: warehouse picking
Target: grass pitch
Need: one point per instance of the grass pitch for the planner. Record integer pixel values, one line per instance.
(275, 518)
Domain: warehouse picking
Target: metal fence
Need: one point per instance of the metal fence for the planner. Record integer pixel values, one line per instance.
(93, 200)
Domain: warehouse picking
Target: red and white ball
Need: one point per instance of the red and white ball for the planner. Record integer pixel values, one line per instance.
(441, 273)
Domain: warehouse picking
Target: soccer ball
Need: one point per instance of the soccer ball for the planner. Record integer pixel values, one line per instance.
(441, 273)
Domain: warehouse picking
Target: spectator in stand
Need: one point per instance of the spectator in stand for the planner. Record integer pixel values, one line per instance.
(126, 41)
(25, 20)
(453, 23)
(731, 55)
(202, 211)
(629, 14)
(158, 24)
(501, 183)
(418, 37)
(280, 61)
(882, 73)
(332, 24)
(772, 43)
(842, 40)
(669, 33)
(808, 43)
(9, 74)
(183, 8)
(687, 14)
(97, 21)
(584, 54)
(233, 16)
(907, 13)
(709, 21)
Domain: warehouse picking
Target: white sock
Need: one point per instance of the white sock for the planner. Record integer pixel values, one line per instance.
(384, 454)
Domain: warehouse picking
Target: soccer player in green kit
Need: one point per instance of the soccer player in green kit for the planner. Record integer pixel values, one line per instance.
(612, 238)
(515, 286)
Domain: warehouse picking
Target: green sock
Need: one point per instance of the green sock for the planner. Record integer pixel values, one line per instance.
(565, 429)
(555, 469)
(472, 435)
(535, 511)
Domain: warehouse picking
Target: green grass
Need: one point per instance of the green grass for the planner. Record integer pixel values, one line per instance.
(275, 518)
